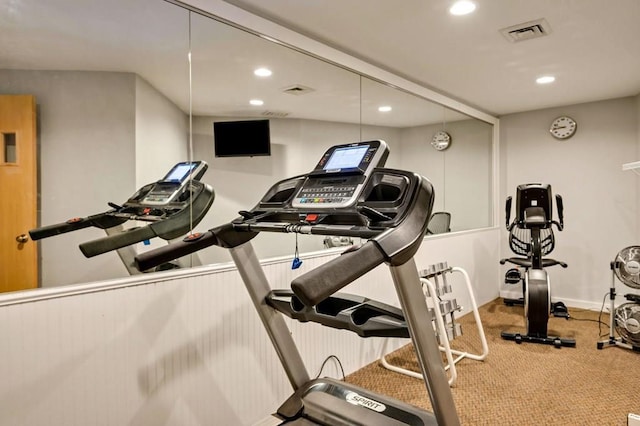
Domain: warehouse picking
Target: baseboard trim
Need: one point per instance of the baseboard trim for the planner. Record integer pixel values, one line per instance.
(571, 303)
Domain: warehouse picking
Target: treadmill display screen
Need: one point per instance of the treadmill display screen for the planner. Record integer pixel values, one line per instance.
(346, 158)
(354, 158)
(180, 172)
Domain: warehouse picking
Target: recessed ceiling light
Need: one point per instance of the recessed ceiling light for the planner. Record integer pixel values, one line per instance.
(256, 102)
(384, 108)
(545, 79)
(262, 72)
(462, 7)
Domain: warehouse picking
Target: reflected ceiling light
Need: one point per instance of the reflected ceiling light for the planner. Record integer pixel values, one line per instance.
(256, 102)
(262, 72)
(462, 7)
(545, 79)
(384, 108)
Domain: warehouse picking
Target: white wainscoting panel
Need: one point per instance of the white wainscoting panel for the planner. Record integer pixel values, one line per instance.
(185, 350)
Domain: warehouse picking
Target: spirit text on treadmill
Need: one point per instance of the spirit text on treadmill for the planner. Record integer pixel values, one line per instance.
(356, 399)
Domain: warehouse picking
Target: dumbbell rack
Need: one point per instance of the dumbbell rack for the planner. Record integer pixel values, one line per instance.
(435, 287)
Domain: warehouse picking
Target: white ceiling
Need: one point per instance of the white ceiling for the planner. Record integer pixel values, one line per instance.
(151, 39)
(593, 49)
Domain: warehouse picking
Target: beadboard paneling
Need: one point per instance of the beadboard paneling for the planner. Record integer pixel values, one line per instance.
(188, 350)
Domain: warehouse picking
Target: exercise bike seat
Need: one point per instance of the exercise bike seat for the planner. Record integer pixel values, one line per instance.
(526, 263)
(535, 217)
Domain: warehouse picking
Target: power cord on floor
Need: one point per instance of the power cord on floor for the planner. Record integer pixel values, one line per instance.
(599, 320)
(600, 315)
(325, 363)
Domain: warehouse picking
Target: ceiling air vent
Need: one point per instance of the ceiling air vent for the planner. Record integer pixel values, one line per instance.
(297, 89)
(274, 114)
(527, 30)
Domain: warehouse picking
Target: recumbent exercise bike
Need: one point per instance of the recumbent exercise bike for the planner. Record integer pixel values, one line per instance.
(531, 237)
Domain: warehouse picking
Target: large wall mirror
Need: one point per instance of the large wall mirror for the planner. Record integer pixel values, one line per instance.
(114, 92)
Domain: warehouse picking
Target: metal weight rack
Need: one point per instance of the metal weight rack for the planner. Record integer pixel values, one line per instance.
(442, 310)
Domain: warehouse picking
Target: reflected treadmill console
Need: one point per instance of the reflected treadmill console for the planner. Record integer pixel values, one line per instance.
(350, 194)
(170, 206)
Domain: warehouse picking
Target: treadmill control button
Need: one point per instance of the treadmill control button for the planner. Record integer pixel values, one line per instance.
(193, 237)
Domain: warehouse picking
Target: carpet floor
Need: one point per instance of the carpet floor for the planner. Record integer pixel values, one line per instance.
(526, 384)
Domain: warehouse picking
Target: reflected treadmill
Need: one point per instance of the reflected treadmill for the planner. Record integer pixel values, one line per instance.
(348, 194)
(170, 207)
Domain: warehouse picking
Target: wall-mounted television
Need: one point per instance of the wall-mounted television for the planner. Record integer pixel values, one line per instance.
(246, 138)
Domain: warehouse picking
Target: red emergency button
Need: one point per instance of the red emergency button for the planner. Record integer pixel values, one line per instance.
(193, 237)
(311, 217)
(146, 210)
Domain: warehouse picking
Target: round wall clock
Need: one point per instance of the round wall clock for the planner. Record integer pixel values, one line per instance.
(563, 127)
(441, 140)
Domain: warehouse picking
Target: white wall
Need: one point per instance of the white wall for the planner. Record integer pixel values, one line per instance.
(184, 350)
(600, 200)
(162, 134)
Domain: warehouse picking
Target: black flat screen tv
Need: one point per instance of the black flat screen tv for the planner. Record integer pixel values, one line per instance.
(246, 138)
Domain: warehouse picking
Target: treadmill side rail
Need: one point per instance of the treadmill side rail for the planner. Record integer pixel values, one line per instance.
(258, 288)
(414, 305)
(331, 402)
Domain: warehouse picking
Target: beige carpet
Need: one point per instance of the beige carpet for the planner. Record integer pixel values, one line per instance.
(526, 384)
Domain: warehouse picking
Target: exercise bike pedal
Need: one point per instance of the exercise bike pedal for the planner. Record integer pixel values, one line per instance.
(559, 310)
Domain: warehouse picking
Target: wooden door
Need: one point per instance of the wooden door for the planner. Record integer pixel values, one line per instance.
(18, 192)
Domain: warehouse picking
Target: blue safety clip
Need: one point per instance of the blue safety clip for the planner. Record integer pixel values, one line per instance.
(296, 259)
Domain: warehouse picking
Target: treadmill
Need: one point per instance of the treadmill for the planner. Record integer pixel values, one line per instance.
(349, 194)
(170, 207)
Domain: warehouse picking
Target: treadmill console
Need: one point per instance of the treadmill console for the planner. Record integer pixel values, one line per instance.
(340, 175)
(165, 190)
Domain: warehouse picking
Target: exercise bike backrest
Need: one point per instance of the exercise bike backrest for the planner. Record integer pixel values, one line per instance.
(534, 208)
(530, 233)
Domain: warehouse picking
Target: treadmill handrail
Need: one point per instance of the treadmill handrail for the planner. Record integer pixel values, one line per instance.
(396, 246)
(100, 220)
(223, 236)
(113, 242)
(321, 282)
